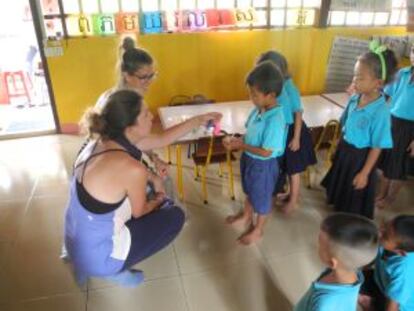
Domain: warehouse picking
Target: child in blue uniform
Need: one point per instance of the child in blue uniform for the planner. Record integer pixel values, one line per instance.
(299, 153)
(390, 286)
(394, 162)
(346, 243)
(263, 142)
(366, 121)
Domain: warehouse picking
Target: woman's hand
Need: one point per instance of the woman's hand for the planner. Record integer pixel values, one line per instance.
(161, 167)
(159, 197)
(158, 184)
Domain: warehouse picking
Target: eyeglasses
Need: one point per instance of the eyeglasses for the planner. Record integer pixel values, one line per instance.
(147, 77)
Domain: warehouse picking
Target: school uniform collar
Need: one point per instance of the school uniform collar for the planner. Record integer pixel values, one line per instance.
(371, 107)
(336, 286)
(407, 70)
(268, 113)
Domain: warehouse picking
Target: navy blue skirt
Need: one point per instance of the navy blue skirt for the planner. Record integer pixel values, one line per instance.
(295, 162)
(347, 163)
(395, 162)
(258, 181)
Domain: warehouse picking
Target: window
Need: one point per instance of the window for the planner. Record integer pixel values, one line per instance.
(397, 16)
(293, 13)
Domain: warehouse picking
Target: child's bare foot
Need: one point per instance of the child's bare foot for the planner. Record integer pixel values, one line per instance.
(288, 208)
(379, 198)
(238, 219)
(251, 236)
(384, 203)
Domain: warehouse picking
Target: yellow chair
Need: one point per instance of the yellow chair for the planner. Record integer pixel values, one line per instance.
(208, 151)
(324, 138)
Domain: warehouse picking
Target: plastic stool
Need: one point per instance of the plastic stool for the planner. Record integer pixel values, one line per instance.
(17, 79)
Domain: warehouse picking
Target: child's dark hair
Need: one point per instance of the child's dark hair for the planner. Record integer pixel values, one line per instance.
(403, 227)
(133, 58)
(120, 111)
(353, 238)
(278, 59)
(373, 60)
(266, 77)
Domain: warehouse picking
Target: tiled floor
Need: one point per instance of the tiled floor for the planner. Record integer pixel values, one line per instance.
(203, 270)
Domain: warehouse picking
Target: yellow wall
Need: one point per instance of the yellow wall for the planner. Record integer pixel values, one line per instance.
(213, 63)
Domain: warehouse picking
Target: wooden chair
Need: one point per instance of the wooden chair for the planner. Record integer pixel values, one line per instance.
(208, 151)
(324, 138)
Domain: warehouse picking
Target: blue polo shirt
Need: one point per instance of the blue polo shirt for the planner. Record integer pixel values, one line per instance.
(401, 92)
(266, 130)
(394, 275)
(290, 101)
(367, 127)
(330, 297)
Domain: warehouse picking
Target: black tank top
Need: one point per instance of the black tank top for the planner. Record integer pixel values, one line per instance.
(89, 202)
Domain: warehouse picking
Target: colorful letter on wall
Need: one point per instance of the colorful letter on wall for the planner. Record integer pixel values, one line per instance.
(216, 18)
(127, 23)
(79, 25)
(245, 17)
(103, 24)
(194, 20)
(85, 25)
(152, 22)
(172, 21)
(227, 17)
(213, 18)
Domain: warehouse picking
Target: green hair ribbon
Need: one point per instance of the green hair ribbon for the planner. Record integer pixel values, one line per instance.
(376, 47)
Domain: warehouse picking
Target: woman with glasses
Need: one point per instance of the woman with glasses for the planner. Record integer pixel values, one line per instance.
(136, 72)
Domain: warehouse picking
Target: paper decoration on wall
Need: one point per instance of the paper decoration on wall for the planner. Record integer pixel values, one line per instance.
(227, 17)
(53, 28)
(127, 23)
(361, 5)
(158, 21)
(85, 24)
(152, 22)
(245, 17)
(103, 24)
(217, 18)
(193, 20)
(172, 21)
(50, 7)
(300, 17)
(79, 25)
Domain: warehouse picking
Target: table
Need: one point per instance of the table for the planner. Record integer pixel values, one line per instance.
(340, 99)
(317, 111)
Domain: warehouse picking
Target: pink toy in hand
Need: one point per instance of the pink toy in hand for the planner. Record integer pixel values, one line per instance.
(217, 128)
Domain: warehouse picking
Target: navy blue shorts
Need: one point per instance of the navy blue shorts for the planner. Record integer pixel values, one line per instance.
(258, 181)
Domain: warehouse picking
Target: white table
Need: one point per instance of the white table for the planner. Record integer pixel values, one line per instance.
(234, 117)
(340, 99)
(317, 111)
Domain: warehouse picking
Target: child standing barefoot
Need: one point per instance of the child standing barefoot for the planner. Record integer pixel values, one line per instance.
(263, 143)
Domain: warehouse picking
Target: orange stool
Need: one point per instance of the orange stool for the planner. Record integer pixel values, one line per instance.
(16, 83)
